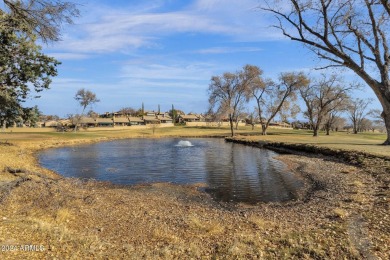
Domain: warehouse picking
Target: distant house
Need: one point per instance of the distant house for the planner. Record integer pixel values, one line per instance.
(188, 118)
(86, 121)
(121, 121)
(136, 121)
(280, 125)
(150, 113)
(201, 117)
(208, 118)
(105, 122)
(51, 123)
(164, 118)
(64, 122)
(151, 120)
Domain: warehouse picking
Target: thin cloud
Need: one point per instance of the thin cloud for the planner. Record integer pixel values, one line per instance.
(68, 56)
(69, 81)
(119, 29)
(224, 50)
(184, 72)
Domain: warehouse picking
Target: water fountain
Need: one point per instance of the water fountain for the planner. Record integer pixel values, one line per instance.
(184, 144)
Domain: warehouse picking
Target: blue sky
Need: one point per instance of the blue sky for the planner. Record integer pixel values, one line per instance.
(164, 52)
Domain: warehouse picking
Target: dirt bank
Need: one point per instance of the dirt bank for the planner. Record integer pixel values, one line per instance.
(343, 214)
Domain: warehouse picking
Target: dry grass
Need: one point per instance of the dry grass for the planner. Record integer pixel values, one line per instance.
(76, 219)
(340, 213)
(208, 227)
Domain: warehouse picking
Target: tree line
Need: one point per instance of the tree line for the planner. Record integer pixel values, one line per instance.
(325, 98)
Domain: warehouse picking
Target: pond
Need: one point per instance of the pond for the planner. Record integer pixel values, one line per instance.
(231, 172)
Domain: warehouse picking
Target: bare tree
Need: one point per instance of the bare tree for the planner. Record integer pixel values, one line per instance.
(273, 97)
(289, 110)
(322, 97)
(92, 114)
(357, 111)
(334, 122)
(252, 117)
(366, 125)
(377, 119)
(128, 111)
(40, 17)
(259, 90)
(347, 33)
(230, 90)
(376, 114)
(154, 125)
(74, 120)
(85, 99)
(240, 114)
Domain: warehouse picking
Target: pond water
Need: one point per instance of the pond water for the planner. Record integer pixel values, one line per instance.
(232, 172)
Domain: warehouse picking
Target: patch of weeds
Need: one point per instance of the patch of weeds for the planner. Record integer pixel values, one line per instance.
(163, 234)
(296, 245)
(357, 184)
(64, 215)
(209, 227)
(340, 213)
(262, 223)
(359, 198)
(243, 246)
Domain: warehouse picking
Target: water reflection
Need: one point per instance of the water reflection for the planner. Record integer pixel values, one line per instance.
(232, 172)
(243, 173)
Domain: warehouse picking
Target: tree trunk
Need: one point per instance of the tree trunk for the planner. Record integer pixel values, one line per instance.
(327, 127)
(386, 116)
(327, 131)
(231, 125)
(382, 91)
(315, 131)
(264, 129)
